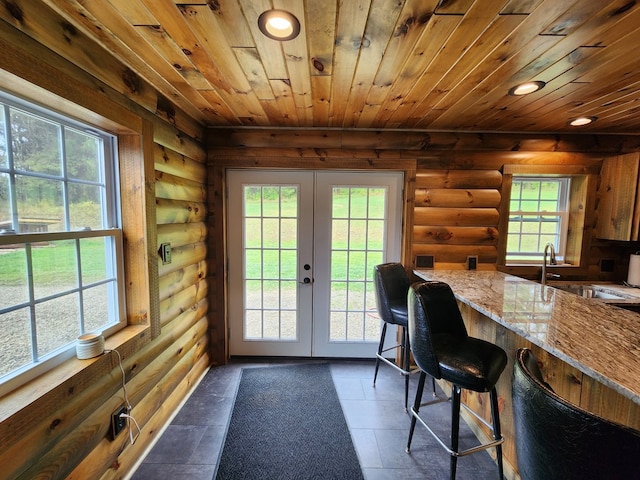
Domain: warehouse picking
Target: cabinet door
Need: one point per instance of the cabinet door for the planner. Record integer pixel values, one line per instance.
(617, 212)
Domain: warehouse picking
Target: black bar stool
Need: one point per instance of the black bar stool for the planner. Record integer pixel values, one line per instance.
(391, 287)
(442, 348)
(557, 440)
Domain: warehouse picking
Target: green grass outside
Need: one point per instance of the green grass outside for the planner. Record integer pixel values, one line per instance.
(267, 239)
(54, 263)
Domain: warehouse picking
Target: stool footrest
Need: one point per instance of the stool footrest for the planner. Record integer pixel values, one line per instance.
(396, 366)
(451, 452)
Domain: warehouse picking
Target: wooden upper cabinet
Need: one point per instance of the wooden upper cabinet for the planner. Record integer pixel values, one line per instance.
(619, 206)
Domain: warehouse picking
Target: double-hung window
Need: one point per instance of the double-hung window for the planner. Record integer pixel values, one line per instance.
(60, 238)
(538, 214)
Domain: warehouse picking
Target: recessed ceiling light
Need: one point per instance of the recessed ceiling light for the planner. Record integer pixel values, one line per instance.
(526, 88)
(580, 121)
(279, 25)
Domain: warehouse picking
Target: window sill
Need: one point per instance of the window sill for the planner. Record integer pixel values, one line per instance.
(71, 377)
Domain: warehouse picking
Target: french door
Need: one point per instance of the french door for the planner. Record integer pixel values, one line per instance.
(302, 246)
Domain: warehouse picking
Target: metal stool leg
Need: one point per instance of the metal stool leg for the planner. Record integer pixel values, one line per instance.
(495, 416)
(416, 408)
(380, 348)
(455, 428)
(406, 364)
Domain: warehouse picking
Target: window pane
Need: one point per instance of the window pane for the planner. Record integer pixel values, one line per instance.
(85, 207)
(95, 303)
(253, 232)
(253, 263)
(271, 264)
(3, 140)
(377, 198)
(15, 335)
(83, 155)
(271, 232)
(289, 232)
(375, 236)
(339, 234)
(271, 201)
(340, 202)
(549, 190)
(93, 255)
(289, 202)
(57, 323)
(547, 206)
(358, 235)
(13, 276)
(252, 204)
(359, 202)
(40, 204)
(5, 203)
(35, 143)
(54, 268)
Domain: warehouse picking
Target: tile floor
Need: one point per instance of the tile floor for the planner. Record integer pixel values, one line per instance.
(190, 446)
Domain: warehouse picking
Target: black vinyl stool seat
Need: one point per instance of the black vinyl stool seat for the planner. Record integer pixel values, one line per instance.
(556, 439)
(391, 287)
(442, 348)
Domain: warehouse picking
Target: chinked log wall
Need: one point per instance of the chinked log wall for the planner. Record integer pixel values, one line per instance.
(63, 433)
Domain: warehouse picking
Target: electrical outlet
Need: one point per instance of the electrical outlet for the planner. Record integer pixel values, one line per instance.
(165, 253)
(472, 262)
(607, 265)
(118, 422)
(424, 261)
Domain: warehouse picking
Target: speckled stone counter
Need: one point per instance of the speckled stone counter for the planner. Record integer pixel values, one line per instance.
(600, 340)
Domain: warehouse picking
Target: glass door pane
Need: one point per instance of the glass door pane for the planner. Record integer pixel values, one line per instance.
(269, 243)
(358, 221)
(270, 259)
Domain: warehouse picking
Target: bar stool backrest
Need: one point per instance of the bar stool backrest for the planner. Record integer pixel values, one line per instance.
(556, 439)
(391, 285)
(433, 311)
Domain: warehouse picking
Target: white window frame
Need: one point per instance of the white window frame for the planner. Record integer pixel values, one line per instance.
(111, 231)
(562, 215)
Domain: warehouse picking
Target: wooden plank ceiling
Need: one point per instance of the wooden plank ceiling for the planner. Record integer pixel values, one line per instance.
(378, 64)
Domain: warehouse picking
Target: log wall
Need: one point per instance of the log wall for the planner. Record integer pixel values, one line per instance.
(62, 432)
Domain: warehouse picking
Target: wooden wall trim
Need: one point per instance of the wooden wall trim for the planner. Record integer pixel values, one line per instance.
(282, 162)
(552, 169)
(216, 259)
(419, 141)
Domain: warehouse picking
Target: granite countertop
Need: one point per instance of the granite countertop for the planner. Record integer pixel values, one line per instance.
(599, 339)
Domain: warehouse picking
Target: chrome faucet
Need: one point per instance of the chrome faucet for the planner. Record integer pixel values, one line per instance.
(552, 261)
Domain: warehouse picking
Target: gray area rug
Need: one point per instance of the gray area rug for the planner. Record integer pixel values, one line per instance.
(287, 423)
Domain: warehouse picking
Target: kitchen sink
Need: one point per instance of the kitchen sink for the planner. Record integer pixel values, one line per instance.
(589, 291)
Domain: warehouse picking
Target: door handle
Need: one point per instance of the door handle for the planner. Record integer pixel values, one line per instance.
(305, 280)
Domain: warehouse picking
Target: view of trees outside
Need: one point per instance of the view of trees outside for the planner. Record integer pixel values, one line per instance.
(37, 147)
(51, 180)
(535, 217)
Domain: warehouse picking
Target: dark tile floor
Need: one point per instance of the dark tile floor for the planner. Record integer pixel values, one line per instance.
(190, 446)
